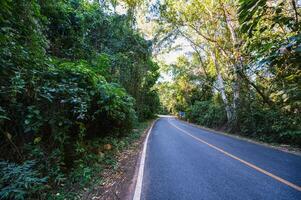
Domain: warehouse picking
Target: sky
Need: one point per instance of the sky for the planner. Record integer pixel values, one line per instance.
(167, 58)
(147, 26)
(171, 57)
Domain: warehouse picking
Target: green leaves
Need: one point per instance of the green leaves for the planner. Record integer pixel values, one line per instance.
(3, 115)
(249, 52)
(33, 120)
(20, 181)
(70, 72)
(250, 12)
(207, 113)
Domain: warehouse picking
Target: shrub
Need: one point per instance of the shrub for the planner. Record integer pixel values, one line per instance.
(20, 181)
(270, 124)
(206, 113)
(52, 111)
(55, 61)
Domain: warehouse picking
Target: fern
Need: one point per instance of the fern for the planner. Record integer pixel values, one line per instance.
(19, 181)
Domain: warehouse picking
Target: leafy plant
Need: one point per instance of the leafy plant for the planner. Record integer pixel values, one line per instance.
(206, 113)
(20, 181)
(70, 73)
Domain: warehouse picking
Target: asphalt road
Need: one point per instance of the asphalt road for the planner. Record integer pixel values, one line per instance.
(187, 163)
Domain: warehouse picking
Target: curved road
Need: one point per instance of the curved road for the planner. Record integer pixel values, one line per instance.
(188, 163)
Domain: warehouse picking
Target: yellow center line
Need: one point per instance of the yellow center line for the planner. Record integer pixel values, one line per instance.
(242, 161)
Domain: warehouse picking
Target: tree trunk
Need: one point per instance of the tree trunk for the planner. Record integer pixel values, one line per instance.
(221, 88)
(237, 68)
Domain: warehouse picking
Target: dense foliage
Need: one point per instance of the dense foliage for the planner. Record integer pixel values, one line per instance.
(245, 59)
(207, 113)
(72, 72)
(75, 75)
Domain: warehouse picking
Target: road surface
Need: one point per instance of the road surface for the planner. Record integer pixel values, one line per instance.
(188, 163)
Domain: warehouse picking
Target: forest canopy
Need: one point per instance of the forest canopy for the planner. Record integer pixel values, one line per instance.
(243, 72)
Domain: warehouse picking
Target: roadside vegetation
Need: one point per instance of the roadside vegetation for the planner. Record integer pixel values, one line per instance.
(79, 81)
(75, 79)
(243, 71)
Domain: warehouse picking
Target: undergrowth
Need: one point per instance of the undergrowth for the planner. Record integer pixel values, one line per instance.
(88, 173)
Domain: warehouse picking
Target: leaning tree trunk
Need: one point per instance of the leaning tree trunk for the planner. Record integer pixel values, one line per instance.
(221, 88)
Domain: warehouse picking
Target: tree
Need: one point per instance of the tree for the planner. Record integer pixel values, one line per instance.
(249, 54)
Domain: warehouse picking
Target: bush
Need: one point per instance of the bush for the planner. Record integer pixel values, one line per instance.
(206, 113)
(53, 111)
(270, 124)
(55, 61)
(115, 112)
(20, 181)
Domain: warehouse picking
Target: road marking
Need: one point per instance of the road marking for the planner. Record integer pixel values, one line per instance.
(138, 187)
(296, 187)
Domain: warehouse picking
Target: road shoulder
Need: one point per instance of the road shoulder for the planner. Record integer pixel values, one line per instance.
(120, 183)
(280, 147)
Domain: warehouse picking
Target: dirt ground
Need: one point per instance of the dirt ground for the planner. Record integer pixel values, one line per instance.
(119, 184)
